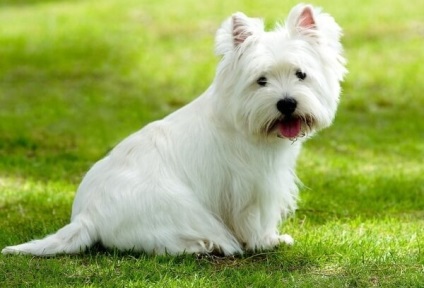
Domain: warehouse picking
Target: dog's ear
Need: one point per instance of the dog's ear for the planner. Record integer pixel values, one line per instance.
(301, 20)
(306, 19)
(320, 29)
(234, 31)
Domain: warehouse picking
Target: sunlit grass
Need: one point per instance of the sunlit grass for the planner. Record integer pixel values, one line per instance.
(78, 76)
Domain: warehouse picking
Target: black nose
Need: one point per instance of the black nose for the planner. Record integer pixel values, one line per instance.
(287, 106)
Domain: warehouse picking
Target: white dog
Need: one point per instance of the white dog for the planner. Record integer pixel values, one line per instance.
(218, 174)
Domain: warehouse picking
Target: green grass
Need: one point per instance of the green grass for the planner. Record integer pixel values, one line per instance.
(78, 76)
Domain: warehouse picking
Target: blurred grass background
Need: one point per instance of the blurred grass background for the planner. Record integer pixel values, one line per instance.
(76, 77)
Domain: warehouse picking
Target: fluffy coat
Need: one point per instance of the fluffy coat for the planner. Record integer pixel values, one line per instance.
(219, 173)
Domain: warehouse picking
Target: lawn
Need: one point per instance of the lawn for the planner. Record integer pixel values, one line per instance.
(78, 76)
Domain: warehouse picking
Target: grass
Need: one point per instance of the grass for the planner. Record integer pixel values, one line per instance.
(78, 76)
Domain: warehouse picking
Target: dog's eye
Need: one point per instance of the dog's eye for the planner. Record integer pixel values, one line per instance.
(262, 81)
(301, 75)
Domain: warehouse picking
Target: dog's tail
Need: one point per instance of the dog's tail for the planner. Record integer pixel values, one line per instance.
(74, 238)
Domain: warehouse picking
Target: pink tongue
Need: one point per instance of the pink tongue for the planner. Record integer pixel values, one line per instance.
(290, 127)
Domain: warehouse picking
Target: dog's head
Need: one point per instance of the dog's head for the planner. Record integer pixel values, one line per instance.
(284, 82)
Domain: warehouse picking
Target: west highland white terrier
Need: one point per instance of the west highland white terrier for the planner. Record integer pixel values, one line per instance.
(217, 175)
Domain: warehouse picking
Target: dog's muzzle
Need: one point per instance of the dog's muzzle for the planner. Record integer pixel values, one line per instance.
(288, 126)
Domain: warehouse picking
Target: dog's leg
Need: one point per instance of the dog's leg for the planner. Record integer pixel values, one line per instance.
(258, 228)
(167, 219)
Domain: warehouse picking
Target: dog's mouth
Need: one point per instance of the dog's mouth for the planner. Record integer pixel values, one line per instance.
(292, 127)
(289, 127)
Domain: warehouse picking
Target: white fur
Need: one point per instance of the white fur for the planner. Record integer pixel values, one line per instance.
(213, 176)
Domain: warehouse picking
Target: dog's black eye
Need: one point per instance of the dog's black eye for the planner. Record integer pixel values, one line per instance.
(262, 81)
(301, 75)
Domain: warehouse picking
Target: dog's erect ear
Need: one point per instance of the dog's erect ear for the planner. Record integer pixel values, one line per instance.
(234, 31)
(301, 20)
(320, 29)
(306, 19)
(241, 29)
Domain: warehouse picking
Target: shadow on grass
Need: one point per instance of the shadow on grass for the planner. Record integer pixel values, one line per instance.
(100, 265)
(280, 260)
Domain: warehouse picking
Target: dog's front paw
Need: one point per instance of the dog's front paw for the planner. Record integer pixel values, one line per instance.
(271, 241)
(286, 239)
(274, 240)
